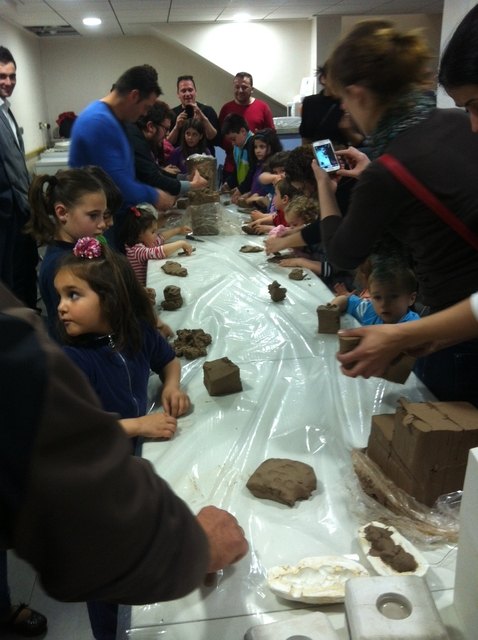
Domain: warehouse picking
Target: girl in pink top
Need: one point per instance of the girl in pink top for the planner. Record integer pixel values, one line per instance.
(143, 242)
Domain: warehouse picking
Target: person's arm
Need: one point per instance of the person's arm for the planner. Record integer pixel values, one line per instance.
(274, 244)
(175, 401)
(210, 129)
(341, 302)
(269, 178)
(153, 425)
(175, 231)
(380, 344)
(69, 468)
(173, 135)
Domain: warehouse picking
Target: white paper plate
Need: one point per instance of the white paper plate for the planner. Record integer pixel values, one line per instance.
(381, 567)
(318, 580)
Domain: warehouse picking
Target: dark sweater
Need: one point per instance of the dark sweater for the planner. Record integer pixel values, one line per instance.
(442, 153)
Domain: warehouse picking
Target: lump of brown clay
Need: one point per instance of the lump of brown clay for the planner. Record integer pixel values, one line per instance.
(182, 203)
(346, 344)
(221, 377)
(329, 318)
(250, 248)
(383, 547)
(191, 343)
(297, 274)
(277, 292)
(172, 298)
(283, 480)
(203, 196)
(174, 269)
(248, 229)
(207, 167)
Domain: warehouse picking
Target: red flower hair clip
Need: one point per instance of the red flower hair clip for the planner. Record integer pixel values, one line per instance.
(136, 212)
(88, 248)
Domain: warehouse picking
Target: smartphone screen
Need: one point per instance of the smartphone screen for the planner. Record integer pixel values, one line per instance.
(325, 154)
(189, 110)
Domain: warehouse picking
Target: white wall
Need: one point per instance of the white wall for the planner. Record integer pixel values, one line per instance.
(28, 99)
(277, 54)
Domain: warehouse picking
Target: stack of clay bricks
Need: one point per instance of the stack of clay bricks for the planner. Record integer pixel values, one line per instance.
(423, 447)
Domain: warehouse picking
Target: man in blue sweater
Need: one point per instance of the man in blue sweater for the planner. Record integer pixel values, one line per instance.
(99, 136)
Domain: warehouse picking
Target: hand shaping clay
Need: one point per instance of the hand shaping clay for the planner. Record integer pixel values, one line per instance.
(250, 248)
(174, 269)
(172, 298)
(283, 480)
(277, 292)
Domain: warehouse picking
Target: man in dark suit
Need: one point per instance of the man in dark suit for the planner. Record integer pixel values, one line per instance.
(18, 251)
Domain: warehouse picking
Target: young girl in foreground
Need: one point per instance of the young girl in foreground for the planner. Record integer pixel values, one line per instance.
(142, 240)
(64, 208)
(109, 324)
(193, 140)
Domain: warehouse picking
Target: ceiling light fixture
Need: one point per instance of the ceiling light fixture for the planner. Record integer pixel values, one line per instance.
(241, 17)
(91, 22)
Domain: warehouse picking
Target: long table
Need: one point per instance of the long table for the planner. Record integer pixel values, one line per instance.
(295, 404)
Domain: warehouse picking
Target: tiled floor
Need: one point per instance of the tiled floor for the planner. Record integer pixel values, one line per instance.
(66, 621)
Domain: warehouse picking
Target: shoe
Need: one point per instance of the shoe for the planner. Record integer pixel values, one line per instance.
(30, 624)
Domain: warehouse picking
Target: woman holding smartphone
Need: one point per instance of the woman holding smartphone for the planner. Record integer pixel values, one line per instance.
(458, 74)
(377, 72)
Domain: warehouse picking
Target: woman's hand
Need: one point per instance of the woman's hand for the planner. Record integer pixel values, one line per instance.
(175, 401)
(322, 177)
(379, 345)
(292, 262)
(356, 160)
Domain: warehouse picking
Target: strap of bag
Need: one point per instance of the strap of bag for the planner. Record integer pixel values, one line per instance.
(422, 193)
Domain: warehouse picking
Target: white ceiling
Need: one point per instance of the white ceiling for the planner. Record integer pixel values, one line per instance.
(135, 17)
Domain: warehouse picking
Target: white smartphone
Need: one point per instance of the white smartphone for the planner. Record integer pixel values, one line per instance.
(325, 154)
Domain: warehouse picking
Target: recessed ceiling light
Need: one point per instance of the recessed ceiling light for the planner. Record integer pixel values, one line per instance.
(91, 22)
(241, 17)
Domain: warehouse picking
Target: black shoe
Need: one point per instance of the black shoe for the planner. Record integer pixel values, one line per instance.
(30, 624)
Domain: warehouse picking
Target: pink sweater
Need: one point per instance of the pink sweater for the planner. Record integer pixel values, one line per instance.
(139, 254)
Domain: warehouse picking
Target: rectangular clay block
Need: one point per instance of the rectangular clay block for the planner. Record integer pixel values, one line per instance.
(434, 435)
(329, 318)
(428, 471)
(399, 369)
(221, 377)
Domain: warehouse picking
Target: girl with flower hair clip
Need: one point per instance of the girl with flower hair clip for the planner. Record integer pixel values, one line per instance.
(109, 327)
(142, 240)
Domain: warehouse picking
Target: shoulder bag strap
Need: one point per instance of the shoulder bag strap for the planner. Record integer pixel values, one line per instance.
(426, 196)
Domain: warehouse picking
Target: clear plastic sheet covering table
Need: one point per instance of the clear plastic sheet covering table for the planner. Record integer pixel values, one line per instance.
(295, 404)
